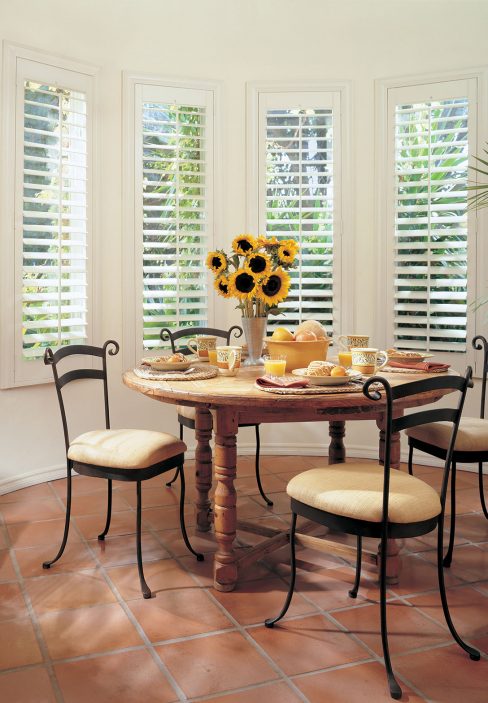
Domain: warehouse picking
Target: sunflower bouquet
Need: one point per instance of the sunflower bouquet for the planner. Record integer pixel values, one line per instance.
(256, 273)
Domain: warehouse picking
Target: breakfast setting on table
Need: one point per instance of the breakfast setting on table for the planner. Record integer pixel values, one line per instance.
(258, 274)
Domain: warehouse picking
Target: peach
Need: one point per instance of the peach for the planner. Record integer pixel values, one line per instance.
(306, 336)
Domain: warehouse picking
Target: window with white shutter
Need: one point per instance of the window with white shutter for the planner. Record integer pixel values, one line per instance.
(173, 208)
(51, 207)
(432, 134)
(299, 196)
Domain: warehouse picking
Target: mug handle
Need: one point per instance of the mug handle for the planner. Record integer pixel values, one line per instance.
(189, 345)
(385, 359)
(342, 341)
(232, 360)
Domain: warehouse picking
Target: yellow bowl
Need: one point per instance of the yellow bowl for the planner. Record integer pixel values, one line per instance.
(299, 354)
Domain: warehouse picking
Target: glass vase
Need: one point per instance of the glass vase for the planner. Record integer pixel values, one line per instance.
(254, 332)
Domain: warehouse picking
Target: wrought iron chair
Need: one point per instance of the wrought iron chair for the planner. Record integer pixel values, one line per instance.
(471, 445)
(120, 455)
(186, 415)
(374, 501)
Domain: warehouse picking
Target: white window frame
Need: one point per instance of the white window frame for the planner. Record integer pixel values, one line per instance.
(298, 95)
(132, 242)
(14, 371)
(477, 220)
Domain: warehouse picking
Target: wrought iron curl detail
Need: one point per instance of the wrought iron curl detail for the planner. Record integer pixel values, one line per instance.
(48, 356)
(116, 347)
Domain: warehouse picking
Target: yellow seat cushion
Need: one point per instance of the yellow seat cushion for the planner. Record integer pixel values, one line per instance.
(186, 411)
(190, 412)
(472, 434)
(356, 491)
(124, 449)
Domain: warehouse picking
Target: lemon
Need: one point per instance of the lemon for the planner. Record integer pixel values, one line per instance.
(281, 334)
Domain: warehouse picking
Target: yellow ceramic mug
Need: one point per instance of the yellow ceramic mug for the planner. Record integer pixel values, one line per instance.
(366, 360)
(347, 341)
(229, 360)
(201, 345)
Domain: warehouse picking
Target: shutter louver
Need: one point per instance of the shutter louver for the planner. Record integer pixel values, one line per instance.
(175, 221)
(431, 235)
(54, 241)
(299, 205)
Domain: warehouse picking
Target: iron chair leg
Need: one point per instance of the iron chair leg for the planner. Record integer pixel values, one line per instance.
(482, 492)
(354, 590)
(271, 621)
(48, 564)
(258, 475)
(410, 457)
(101, 536)
(177, 472)
(448, 558)
(473, 653)
(144, 587)
(395, 690)
(199, 557)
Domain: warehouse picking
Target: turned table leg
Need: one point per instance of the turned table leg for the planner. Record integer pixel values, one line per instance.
(225, 514)
(393, 564)
(203, 468)
(337, 450)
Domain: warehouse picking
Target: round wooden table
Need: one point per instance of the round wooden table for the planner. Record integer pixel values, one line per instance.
(237, 400)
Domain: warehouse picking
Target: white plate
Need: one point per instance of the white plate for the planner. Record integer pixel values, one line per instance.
(328, 380)
(167, 365)
(399, 356)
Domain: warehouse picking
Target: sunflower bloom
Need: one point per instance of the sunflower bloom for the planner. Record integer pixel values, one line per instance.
(259, 264)
(291, 243)
(243, 284)
(244, 244)
(286, 253)
(216, 261)
(275, 288)
(221, 285)
(267, 243)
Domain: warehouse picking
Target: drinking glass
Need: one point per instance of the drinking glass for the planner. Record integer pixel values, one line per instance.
(275, 365)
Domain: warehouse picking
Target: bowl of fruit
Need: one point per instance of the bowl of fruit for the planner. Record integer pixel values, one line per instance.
(309, 342)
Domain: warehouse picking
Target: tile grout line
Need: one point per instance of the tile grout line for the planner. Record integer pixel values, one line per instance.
(243, 631)
(272, 571)
(147, 643)
(46, 659)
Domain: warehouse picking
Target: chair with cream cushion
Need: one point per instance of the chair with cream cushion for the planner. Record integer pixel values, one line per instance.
(369, 500)
(120, 455)
(471, 445)
(186, 414)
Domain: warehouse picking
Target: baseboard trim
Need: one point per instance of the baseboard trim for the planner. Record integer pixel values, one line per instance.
(51, 473)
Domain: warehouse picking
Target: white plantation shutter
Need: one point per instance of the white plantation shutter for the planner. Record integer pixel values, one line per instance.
(433, 128)
(174, 155)
(46, 283)
(299, 169)
(54, 220)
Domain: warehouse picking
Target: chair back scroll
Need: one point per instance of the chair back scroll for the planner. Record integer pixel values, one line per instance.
(480, 343)
(172, 336)
(53, 358)
(421, 417)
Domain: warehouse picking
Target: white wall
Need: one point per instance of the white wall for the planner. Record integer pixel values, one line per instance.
(232, 41)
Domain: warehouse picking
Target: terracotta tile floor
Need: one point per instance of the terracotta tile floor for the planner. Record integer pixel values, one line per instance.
(81, 632)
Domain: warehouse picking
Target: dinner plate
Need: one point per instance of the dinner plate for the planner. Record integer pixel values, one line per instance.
(328, 380)
(167, 365)
(399, 356)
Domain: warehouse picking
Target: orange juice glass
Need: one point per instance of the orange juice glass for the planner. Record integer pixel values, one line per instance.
(212, 357)
(275, 365)
(345, 359)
